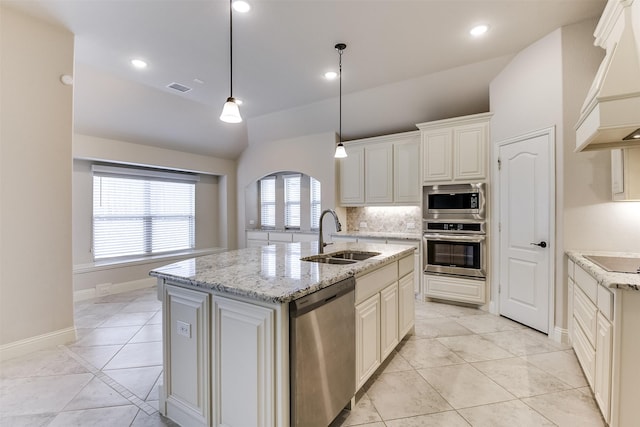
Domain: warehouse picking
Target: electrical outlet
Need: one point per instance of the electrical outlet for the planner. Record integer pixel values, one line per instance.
(183, 328)
(363, 224)
(411, 226)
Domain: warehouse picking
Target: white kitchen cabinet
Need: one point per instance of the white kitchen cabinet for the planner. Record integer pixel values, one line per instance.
(406, 171)
(384, 314)
(388, 319)
(185, 396)
(406, 304)
(378, 172)
(603, 357)
(417, 263)
(257, 238)
(455, 150)
(455, 289)
(243, 363)
(625, 174)
(352, 178)
(382, 170)
(367, 339)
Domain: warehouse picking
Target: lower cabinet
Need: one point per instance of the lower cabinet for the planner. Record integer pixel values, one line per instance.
(455, 289)
(604, 351)
(384, 314)
(223, 361)
(186, 394)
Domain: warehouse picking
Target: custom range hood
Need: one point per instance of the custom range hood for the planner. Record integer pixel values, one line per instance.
(610, 116)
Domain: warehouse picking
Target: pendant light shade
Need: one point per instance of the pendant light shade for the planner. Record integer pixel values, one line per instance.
(230, 111)
(340, 151)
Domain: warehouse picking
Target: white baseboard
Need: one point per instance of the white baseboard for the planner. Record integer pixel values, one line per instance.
(113, 288)
(40, 342)
(561, 335)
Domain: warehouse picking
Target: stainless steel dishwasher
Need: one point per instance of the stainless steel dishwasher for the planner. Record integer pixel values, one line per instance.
(322, 346)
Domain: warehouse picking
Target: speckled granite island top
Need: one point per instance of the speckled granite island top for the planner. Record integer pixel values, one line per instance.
(627, 281)
(275, 273)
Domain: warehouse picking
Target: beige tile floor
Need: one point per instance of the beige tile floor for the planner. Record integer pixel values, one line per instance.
(462, 367)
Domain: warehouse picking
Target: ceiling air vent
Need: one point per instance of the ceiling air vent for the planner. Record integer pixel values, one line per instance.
(179, 87)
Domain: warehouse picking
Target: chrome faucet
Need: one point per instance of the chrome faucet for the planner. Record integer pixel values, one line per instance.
(321, 243)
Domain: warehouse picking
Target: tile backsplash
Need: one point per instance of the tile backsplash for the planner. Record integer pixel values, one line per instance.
(399, 219)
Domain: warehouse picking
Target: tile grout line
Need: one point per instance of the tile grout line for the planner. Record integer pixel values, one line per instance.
(122, 390)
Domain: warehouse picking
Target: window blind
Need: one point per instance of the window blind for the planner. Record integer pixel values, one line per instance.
(315, 203)
(292, 201)
(268, 202)
(138, 212)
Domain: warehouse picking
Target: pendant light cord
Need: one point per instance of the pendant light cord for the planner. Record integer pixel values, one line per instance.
(231, 48)
(340, 106)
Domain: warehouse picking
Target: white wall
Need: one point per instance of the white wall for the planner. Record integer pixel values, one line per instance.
(213, 206)
(35, 184)
(311, 155)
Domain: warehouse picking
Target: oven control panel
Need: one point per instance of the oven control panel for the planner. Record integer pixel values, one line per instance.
(455, 227)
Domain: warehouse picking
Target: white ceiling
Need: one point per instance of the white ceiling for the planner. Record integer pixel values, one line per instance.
(281, 50)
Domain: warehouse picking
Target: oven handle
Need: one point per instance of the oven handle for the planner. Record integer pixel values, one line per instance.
(455, 237)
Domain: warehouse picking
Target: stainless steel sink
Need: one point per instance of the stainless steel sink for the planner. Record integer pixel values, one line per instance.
(326, 259)
(341, 257)
(616, 264)
(354, 255)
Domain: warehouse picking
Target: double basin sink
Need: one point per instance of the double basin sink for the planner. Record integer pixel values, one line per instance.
(341, 257)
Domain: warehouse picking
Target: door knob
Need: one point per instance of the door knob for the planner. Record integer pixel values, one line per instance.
(542, 244)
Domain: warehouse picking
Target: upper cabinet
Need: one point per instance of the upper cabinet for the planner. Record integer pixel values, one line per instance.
(625, 174)
(455, 150)
(383, 170)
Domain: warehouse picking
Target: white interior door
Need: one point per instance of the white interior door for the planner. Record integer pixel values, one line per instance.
(526, 207)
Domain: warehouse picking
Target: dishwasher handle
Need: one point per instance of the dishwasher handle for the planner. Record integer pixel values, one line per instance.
(324, 296)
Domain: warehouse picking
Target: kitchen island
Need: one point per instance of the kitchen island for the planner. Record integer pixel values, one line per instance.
(603, 323)
(226, 325)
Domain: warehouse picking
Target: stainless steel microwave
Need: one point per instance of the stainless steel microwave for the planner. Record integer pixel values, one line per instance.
(454, 201)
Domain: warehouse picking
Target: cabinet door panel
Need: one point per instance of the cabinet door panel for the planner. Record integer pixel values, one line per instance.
(243, 363)
(352, 177)
(388, 319)
(406, 171)
(378, 172)
(367, 339)
(469, 154)
(602, 380)
(406, 303)
(436, 152)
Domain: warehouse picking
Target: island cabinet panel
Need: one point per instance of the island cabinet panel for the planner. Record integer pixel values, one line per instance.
(367, 339)
(243, 363)
(388, 319)
(186, 391)
(406, 304)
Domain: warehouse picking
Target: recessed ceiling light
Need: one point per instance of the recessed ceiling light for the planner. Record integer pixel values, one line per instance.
(330, 75)
(139, 63)
(479, 30)
(241, 6)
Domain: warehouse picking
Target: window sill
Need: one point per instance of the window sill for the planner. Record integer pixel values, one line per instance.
(91, 267)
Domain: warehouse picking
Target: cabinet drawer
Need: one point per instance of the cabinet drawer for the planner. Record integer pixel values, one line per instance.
(585, 353)
(372, 283)
(405, 266)
(257, 235)
(587, 283)
(605, 302)
(584, 312)
(455, 289)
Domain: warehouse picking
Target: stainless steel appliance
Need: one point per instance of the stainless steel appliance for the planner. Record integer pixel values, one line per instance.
(322, 354)
(455, 248)
(454, 202)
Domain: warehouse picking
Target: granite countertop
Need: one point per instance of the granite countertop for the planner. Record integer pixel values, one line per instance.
(275, 273)
(380, 235)
(626, 281)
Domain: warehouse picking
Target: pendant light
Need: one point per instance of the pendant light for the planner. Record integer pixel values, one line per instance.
(340, 151)
(230, 111)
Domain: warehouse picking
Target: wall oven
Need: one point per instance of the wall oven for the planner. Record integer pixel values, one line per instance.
(454, 202)
(455, 248)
